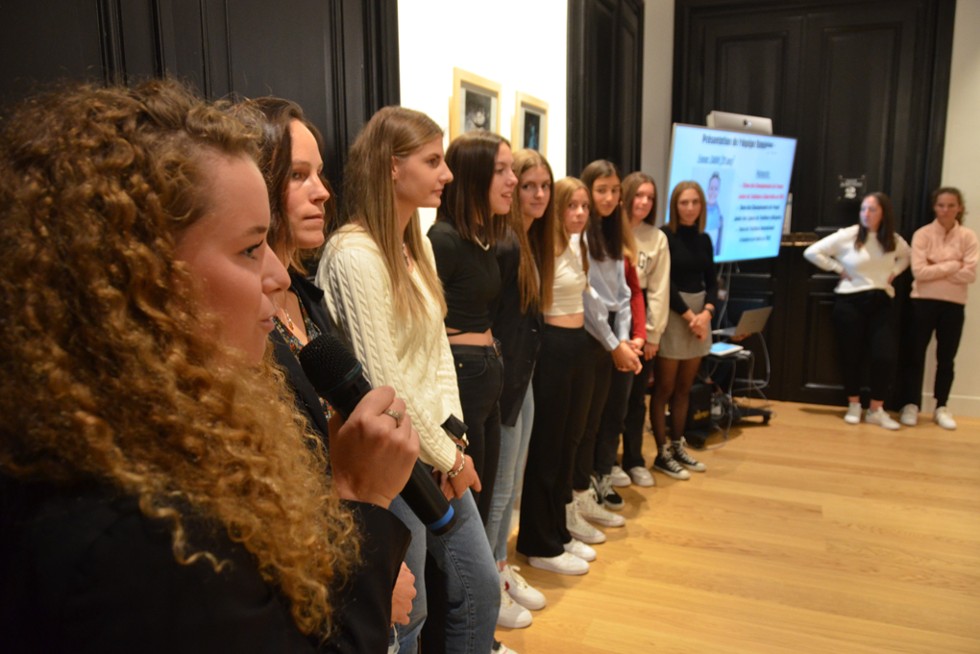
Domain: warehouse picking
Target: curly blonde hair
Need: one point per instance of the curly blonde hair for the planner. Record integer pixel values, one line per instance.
(111, 374)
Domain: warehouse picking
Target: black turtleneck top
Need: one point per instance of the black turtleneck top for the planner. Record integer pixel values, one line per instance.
(692, 266)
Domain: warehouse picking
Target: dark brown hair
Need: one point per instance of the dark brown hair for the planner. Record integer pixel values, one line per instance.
(466, 202)
(274, 116)
(605, 233)
(886, 230)
(950, 190)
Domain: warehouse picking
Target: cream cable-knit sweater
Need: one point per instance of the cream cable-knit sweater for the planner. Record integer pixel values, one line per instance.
(357, 292)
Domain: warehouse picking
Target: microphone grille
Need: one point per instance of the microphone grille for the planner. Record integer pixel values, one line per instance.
(327, 362)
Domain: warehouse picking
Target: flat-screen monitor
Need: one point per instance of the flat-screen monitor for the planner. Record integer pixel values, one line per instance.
(745, 178)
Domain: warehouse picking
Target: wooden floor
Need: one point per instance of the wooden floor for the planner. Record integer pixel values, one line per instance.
(806, 535)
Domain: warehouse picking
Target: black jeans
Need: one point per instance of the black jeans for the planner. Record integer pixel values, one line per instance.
(480, 377)
(562, 387)
(946, 320)
(865, 325)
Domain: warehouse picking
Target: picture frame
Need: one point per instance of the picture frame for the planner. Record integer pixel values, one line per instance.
(530, 129)
(475, 104)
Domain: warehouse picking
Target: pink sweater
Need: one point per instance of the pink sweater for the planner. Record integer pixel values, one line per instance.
(943, 263)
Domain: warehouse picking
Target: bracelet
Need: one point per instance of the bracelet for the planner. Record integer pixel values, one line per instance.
(452, 474)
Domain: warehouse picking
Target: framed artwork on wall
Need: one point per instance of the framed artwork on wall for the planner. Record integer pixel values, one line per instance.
(475, 104)
(530, 129)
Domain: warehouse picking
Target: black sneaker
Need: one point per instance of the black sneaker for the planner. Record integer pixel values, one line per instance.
(681, 456)
(608, 497)
(665, 463)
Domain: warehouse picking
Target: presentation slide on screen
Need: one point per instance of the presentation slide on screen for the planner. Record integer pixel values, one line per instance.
(745, 178)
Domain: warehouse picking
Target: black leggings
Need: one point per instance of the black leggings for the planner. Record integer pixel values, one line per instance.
(865, 325)
(946, 319)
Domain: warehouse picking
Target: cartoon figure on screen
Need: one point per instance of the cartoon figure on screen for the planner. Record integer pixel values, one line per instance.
(713, 227)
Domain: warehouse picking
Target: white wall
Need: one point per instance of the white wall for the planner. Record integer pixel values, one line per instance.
(521, 44)
(960, 169)
(658, 67)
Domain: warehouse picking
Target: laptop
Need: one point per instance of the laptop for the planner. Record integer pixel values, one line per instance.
(751, 321)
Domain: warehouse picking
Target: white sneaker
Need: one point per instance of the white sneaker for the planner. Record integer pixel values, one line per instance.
(563, 564)
(909, 416)
(619, 478)
(589, 509)
(580, 549)
(881, 417)
(512, 615)
(853, 415)
(521, 591)
(641, 477)
(944, 418)
(579, 528)
(500, 648)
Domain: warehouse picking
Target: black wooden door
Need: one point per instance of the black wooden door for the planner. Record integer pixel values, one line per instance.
(605, 77)
(862, 85)
(337, 58)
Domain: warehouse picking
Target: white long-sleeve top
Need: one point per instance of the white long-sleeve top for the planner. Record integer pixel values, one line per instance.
(653, 268)
(357, 292)
(943, 263)
(869, 268)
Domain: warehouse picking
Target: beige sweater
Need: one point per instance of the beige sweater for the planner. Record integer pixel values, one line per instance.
(653, 269)
(943, 263)
(357, 292)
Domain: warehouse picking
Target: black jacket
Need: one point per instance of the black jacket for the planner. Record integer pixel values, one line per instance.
(519, 333)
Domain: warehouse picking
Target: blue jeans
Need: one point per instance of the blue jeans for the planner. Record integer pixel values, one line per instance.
(510, 475)
(472, 588)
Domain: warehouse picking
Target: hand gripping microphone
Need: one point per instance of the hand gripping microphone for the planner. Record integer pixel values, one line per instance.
(338, 376)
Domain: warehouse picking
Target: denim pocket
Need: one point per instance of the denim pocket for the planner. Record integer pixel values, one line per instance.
(470, 367)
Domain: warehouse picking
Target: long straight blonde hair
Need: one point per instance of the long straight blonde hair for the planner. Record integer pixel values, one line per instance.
(369, 197)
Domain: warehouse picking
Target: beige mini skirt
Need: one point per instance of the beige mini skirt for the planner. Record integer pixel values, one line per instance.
(678, 342)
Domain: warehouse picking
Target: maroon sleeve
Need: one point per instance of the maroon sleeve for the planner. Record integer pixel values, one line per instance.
(637, 306)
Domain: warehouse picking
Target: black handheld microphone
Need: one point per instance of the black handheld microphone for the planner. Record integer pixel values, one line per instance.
(339, 377)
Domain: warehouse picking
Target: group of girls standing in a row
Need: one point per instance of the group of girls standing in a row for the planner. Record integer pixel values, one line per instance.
(533, 311)
(515, 316)
(587, 293)
(506, 318)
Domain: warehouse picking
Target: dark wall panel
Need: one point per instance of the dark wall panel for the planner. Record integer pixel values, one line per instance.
(862, 85)
(49, 40)
(605, 59)
(336, 58)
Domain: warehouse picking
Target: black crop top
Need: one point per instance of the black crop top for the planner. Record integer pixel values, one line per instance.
(692, 266)
(470, 279)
